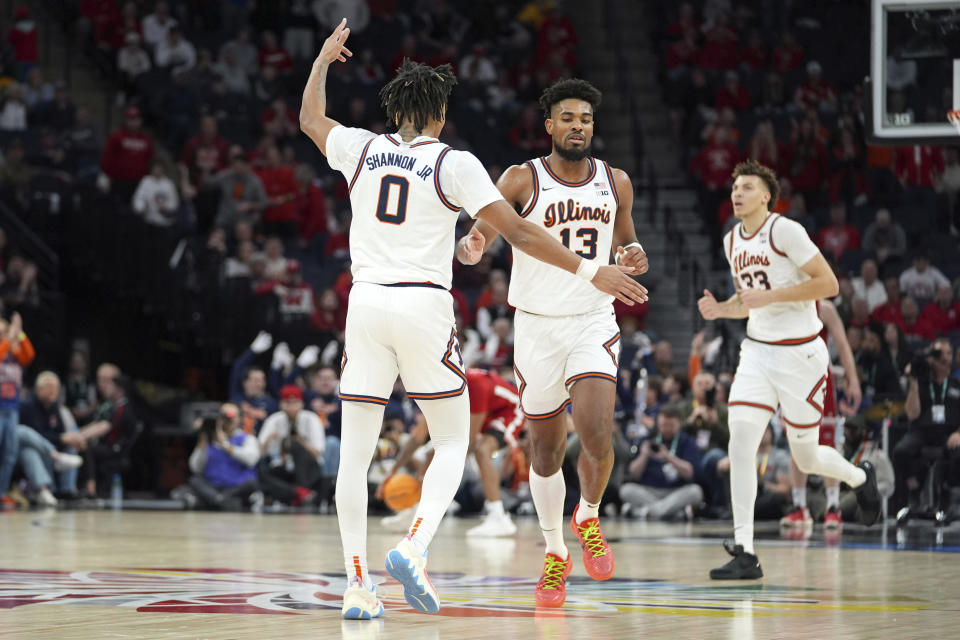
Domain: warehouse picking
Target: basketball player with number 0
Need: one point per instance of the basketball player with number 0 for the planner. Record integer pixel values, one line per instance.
(406, 192)
(779, 274)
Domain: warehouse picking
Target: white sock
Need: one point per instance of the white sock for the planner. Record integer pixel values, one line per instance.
(587, 510)
(495, 508)
(745, 436)
(824, 461)
(548, 494)
(448, 421)
(358, 441)
(799, 497)
(833, 497)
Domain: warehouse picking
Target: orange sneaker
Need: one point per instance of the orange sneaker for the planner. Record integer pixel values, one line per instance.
(552, 589)
(833, 520)
(597, 554)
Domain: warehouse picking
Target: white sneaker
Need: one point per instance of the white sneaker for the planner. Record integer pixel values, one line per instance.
(400, 521)
(66, 461)
(408, 567)
(493, 526)
(45, 498)
(360, 602)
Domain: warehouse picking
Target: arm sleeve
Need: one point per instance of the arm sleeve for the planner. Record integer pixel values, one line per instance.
(792, 239)
(344, 146)
(267, 429)
(249, 452)
(236, 373)
(466, 183)
(24, 352)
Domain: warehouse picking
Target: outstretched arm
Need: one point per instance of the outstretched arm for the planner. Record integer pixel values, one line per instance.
(313, 109)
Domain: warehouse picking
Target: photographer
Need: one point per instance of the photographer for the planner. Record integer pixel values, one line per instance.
(292, 444)
(224, 462)
(660, 478)
(705, 420)
(933, 407)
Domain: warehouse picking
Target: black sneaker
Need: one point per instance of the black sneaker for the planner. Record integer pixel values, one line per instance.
(743, 566)
(869, 502)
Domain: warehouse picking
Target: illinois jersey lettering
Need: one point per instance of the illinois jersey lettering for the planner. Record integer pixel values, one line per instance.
(771, 258)
(580, 216)
(406, 197)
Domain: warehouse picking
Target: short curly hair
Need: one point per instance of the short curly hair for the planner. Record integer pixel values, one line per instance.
(569, 88)
(765, 173)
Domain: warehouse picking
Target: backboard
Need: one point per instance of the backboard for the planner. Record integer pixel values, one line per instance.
(914, 72)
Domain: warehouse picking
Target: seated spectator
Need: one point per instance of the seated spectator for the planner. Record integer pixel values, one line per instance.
(16, 352)
(156, 25)
(40, 460)
(885, 238)
(720, 46)
(859, 313)
(814, 93)
(765, 149)
(682, 54)
(280, 184)
(83, 143)
(868, 287)
(922, 279)
(880, 378)
(273, 55)
(106, 440)
(276, 263)
(732, 95)
(943, 314)
(224, 463)
(43, 412)
(60, 113)
(330, 314)
(234, 74)
(933, 408)
(156, 198)
(321, 398)
(175, 52)
(127, 155)
(895, 347)
(242, 52)
(248, 385)
(806, 163)
(297, 305)
(476, 67)
(13, 110)
(36, 90)
(838, 237)
(914, 327)
(369, 71)
(890, 310)
(754, 55)
(496, 308)
(704, 418)
(239, 266)
(292, 443)
(660, 479)
(242, 195)
(111, 32)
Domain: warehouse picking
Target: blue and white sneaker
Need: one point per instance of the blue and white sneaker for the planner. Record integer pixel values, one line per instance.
(360, 602)
(408, 567)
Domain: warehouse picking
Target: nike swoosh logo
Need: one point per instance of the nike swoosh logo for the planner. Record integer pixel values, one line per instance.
(811, 355)
(545, 188)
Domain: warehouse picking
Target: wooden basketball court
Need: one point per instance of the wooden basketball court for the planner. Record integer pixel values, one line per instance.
(139, 574)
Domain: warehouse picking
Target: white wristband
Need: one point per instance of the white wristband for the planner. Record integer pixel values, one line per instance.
(632, 244)
(587, 269)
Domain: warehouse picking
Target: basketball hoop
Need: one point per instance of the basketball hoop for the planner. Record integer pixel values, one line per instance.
(954, 117)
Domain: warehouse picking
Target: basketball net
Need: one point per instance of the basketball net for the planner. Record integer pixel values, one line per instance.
(954, 117)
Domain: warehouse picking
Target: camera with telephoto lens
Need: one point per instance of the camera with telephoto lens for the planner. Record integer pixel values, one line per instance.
(654, 440)
(710, 397)
(208, 425)
(920, 364)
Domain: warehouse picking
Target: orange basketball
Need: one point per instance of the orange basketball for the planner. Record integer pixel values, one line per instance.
(401, 491)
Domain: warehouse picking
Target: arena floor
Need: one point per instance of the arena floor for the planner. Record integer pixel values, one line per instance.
(139, 574)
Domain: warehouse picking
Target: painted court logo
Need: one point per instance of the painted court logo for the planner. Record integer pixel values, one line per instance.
(292, 593)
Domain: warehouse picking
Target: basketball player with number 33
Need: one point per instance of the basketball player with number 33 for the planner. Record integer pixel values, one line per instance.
(406, 191)
(779, 274)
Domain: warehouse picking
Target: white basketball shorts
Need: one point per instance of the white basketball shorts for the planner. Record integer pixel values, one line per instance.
(405, 330)
(791, 376)
(553, 352)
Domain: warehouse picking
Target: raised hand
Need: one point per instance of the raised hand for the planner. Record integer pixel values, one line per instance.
(334, 46)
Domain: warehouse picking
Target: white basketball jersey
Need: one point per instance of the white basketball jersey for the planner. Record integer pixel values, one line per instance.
(580, 215)
(771, 258)
(406, 198)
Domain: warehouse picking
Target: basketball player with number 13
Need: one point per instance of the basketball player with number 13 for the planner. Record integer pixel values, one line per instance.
(406, 193)
(779, 275)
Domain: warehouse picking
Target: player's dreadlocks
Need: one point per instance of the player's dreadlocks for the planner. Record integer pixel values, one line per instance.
(769, 177)
(417, 92)
(570, 88)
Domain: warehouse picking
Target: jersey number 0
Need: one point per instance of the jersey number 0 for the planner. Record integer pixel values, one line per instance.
(399, 214)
